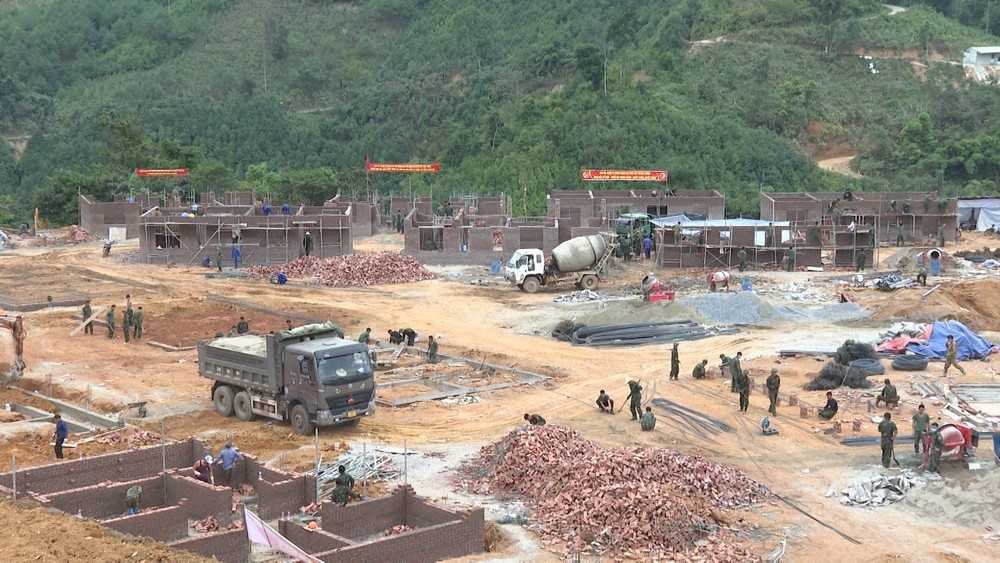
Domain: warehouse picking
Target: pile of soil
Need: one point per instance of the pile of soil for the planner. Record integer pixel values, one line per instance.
(975, 303)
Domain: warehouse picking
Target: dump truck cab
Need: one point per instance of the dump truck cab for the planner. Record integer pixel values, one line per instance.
(332, 377)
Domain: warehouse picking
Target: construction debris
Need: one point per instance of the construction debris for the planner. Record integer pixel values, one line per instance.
(363, 466)
(398, 529)
(352, 270)
(637, 502)
(881, 489)
(892, 282)
(131, 438)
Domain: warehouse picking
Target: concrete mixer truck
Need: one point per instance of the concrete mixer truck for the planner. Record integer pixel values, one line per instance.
(580, 260)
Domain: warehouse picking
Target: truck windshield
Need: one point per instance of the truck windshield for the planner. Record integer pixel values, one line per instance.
(335, 370)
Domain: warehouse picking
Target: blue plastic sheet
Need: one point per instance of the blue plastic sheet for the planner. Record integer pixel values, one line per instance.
(970, 345)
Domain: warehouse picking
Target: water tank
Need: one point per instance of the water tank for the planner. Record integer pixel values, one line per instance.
(579, 253)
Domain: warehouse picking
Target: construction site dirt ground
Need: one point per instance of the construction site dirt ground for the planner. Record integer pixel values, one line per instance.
(803, 462)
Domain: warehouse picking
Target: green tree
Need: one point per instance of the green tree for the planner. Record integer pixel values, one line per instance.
(212, 176)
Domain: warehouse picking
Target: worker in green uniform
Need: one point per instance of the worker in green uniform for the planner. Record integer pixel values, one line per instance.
(109, 318)
(742, 257)
(243, 326)
(830, 408)
(344, 484)
(675, 363)
(941, 235)
(635, 399)
(859, 260)
(889, 395)
(218, 259)
(137, 324)
(677, 233)
(887, 428)
(951, 357)
(133, 496)
(605, 403)
(127, 317)
(365, 336)
(735, 370)
(432, 350)
(920, 423)
(899, 233)
(534, 419)
(773, 384)
(307, 243)
(937, 446)
(724, 370)
(790, 260)
(922, 275)
(87, 313)
(699, 370)
(743, 386)
(648, 420)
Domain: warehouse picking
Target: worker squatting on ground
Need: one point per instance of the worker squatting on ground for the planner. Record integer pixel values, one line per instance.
(432, 350)
(243, 326)
(395, 337)
(648, 420)
(887, 428)
(889, 395)
(950, 358)
(773, 384)
(699, 370)
(344, 485)
(743, 386)
(922, 275)
(675, 362)
(534, 419)
(605, 403)
(830, 409)
(921, 421)
(228, 457)
(109, 319)
(634, 399)
(59, 436)
(87, 312)
(365, 336)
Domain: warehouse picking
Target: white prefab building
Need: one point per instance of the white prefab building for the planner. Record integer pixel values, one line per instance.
(982, 64)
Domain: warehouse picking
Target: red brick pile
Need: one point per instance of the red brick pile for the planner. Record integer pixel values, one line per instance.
(352, 270)
(636, 502)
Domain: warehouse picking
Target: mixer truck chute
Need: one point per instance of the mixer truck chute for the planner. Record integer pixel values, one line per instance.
(580, 259)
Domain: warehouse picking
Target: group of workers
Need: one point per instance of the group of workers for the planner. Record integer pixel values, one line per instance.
(132, 319)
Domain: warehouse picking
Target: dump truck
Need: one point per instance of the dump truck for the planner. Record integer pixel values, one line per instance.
(580, 260)
(308, 375)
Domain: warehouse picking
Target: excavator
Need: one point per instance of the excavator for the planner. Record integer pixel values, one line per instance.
(15, 324)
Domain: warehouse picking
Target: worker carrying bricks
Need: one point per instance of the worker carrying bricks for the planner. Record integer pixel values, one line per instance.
(605, 403)
(921, 421)
(699, 370)
(635, 399)
(675, 362)
(887, 428)
(889, 395)
(648, 420)
(344, 484)
(773, 384)
(109, 319)
(534, 419)
(88, 312)
(307, 243)
(950, 358)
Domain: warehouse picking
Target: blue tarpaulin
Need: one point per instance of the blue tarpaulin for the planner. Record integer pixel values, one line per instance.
(970, 345)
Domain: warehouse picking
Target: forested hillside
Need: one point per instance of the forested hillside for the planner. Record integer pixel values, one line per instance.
(288, 96)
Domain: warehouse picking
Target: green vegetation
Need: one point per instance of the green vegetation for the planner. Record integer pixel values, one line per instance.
(287, 98)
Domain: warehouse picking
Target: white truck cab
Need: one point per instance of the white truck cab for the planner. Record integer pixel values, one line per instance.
(523, 263)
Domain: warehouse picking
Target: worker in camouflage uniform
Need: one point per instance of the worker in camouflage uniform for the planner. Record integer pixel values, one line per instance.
(937, 446)
(648, 420)
(790, 260)
(534, 419)
(307, 243)
(128, 316)
(773, 384)
(675, 362)
(899, 233)
(859, 260)
(887, 428)
(743, 386)
(889, 395)
(941, 235)
(922, 275)
(699, 370)
(724, 362)
(735, 370)
(635, 399)
(605, 403)
(137, 324)
(742, 257)
(920, 424)
(432, 350)
(950, 358)
(344, 482)
(109, 318)
(365, 336)
(87, 313)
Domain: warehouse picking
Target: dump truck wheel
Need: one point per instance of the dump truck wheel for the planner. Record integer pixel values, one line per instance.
(589, 282)
(300, 421)
(243, 406)
(223, 400)
(530, 285)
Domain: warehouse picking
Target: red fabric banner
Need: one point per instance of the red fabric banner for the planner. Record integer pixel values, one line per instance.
(432, 168)
(591, 175)
(158, 172)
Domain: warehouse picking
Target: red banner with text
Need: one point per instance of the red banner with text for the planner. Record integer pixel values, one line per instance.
(591, 175)
(161, 172)
(432, 168)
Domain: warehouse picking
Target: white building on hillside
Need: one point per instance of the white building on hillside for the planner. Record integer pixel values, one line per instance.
(982, 64)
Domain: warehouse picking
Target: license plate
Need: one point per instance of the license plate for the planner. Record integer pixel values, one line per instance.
(351, 414)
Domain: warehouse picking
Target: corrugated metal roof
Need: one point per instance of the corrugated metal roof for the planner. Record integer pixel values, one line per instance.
(722, 223)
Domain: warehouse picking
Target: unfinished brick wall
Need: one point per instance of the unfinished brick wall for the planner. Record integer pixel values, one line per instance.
(364, 518)
(161, 524)
(442, 541)
(311, 541)
(231, 546)
(107, 499)
(202, 499)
